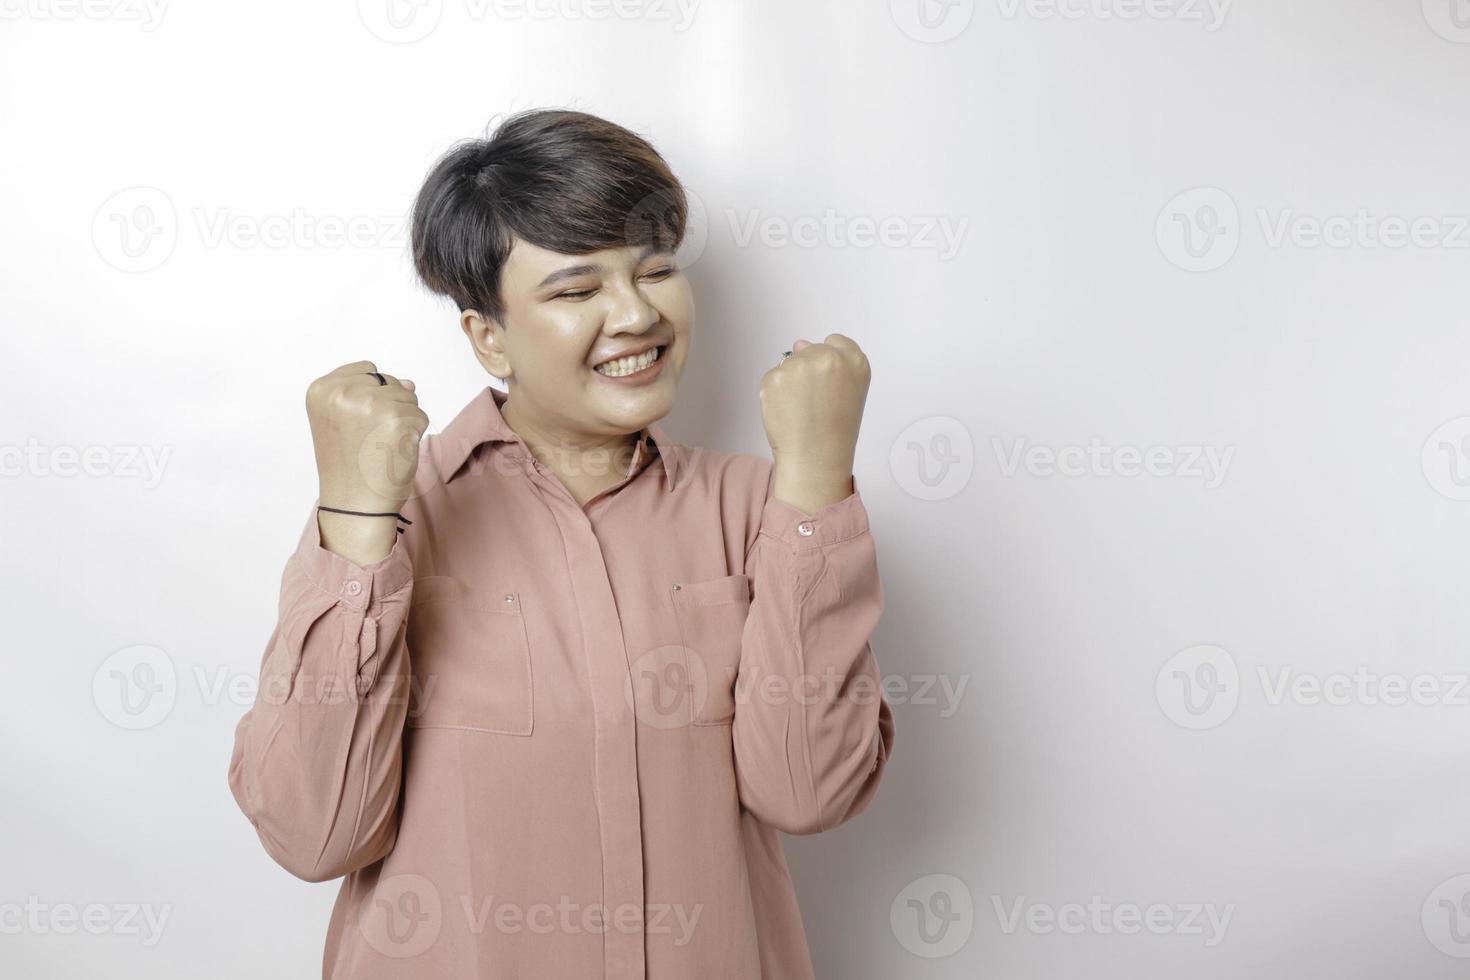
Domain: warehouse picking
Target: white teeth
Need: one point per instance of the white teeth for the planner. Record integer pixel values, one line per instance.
(628, 365)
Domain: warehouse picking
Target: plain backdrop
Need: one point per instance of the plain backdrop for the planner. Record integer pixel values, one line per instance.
(1165, 453)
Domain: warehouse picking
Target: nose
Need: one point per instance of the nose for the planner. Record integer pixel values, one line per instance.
(632, 312)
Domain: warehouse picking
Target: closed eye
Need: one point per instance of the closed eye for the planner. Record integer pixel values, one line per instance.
(657, 275)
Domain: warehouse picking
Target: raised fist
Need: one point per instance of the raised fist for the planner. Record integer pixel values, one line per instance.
(366, 436)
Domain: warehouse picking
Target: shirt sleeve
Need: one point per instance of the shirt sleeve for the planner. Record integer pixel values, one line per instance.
(812, 732)
(317, 760)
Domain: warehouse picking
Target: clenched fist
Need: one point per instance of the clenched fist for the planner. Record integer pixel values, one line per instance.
(812, 406)
(366, 437)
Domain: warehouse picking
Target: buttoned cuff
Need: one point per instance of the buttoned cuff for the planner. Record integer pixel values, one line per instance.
(352, 584)
(838, 521)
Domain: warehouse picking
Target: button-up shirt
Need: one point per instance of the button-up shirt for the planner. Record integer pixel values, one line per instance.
(544, 739)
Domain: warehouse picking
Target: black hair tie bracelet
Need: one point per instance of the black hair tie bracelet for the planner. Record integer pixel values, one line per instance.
(360, 513)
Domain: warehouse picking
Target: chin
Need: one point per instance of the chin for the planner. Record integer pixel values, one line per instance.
(635, 408)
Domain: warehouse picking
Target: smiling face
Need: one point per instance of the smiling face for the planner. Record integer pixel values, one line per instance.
(567, 314)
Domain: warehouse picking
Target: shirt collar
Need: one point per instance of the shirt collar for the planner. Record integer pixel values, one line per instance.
(480, 422)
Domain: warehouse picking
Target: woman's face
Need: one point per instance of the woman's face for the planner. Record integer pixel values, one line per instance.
(566, 314)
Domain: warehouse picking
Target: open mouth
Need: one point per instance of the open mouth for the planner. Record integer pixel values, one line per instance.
(635, 364)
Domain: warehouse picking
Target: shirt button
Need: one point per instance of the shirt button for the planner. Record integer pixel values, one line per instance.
(806, 529)
(510, 598)
(354, 587)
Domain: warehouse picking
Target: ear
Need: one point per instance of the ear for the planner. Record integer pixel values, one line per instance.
(487, 337)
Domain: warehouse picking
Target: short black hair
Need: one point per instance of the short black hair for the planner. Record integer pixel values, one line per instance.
(560, 179)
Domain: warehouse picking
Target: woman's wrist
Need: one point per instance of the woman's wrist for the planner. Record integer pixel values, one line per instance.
(361, 540)
(809, 487)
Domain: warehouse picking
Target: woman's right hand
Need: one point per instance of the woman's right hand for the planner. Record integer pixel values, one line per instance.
(366, 437)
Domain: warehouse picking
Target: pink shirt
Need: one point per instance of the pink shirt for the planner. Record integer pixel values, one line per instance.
(543, 740)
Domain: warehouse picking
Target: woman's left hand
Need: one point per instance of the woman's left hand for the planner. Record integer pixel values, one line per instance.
(812, 407)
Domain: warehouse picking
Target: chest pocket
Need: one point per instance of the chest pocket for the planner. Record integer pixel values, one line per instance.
(711, 617)
(470, 657)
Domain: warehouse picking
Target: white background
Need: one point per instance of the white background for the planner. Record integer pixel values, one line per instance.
(1070, 148)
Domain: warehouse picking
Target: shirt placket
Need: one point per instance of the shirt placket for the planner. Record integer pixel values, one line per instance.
(615, 751)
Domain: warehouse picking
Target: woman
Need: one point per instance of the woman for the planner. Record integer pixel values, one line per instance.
(545, 685)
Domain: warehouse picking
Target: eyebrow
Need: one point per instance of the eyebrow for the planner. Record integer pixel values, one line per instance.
(573, 271)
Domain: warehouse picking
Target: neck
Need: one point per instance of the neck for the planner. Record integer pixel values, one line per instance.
(581, 460)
